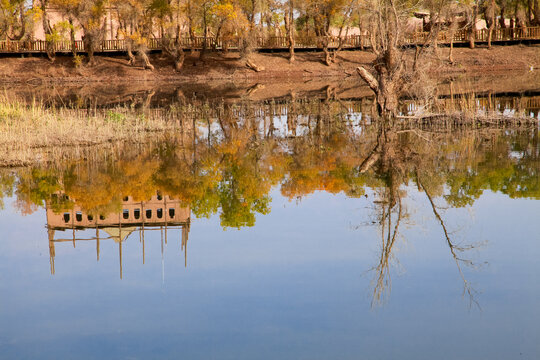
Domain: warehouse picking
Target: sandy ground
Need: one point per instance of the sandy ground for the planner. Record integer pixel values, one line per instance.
(217, 66)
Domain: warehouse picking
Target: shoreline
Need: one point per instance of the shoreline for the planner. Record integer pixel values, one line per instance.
(228, 67)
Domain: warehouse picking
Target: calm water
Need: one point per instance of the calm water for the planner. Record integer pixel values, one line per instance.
(323, 238)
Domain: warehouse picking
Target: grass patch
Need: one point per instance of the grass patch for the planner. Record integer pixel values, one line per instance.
(25, 128)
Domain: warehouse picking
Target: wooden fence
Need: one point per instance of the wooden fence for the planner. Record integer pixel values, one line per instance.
(462, 36)
(272, 42)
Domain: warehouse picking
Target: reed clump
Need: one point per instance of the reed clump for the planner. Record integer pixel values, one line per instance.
(28, 131)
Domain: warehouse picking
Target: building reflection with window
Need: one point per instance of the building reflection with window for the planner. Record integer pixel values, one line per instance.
(160, 213)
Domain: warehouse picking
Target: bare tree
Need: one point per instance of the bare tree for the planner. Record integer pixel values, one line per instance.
(386, 42)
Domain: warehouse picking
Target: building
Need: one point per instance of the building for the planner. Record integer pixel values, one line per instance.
(159, 213)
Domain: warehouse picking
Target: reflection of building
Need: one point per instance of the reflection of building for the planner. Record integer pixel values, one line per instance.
(159, 213)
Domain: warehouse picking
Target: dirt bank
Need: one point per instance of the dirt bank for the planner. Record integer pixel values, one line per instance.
(217, 66)
(158, 94)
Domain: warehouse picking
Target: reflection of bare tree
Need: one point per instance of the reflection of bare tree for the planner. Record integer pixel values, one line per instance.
(392, 159)
(253, 89)
(389, 232)
(388, 160)
(455, 249)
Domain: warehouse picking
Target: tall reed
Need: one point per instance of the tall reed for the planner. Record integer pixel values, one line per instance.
(27, 127)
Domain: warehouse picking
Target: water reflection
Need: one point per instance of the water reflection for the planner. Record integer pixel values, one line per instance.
(325, 199)
(228, 165)
(500, 94)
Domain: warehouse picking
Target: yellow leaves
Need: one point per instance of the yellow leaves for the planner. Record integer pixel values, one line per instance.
(233, 147)
(137, 38)
(60, 32)
(93, 24)
(34, 14)
(224, 11)
(65, 4)
(9, 5)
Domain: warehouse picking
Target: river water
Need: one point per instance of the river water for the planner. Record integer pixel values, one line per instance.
(326, 236)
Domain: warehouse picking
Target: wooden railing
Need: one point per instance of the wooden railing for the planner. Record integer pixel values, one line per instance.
(462, 36)
(272, 42)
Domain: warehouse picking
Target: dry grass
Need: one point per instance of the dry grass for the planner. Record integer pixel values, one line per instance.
(29, 131)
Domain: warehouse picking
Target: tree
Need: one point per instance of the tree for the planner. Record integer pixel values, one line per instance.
(136, 20)
(289, 28)
(473, 19)
(13, 19)
(225, 20)
(67, 9)
(386, 31)
(47, 30)
(490, 10)
(90, 14)
(323, 14)
(171, 18)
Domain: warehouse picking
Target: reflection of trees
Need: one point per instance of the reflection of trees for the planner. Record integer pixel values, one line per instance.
(508, 164)
(388, 160)
(7, 181)
(398, 156)
(232, 175)
(228, 167)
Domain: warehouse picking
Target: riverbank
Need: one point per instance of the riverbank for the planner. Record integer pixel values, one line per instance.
(218, 66)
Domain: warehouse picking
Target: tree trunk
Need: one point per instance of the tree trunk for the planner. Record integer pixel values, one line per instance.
(472, 32)
(327, 57)
(131, 57)
(490, 17)
(20, 26)
(536, 13)
(340, 43)
(88, 41)
(289, 27)
(385, 89)
(502, 23)
(190, 26)
(179, 62)
(372, 82)
(47, 30)
(451, 53)
(146, 60)
(216, 38)
(90, 53)
(250, 64)
(203, 50)
(72, 37)
(434, 30)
